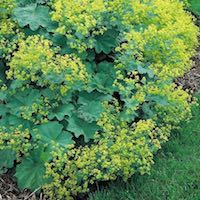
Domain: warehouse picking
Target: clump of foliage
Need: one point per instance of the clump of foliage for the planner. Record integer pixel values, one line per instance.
(87, 90)
(175, 174)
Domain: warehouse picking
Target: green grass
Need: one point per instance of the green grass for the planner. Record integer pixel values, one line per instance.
(175, 175)
(195, 6)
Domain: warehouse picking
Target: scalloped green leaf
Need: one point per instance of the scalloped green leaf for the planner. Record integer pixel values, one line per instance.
(31, 171)
(104, 78)
(91, 105)
(91, 111)
(52, 132)
(160, 100)
(148, 111)
(50, 94)
(7, 158)
(106, 42)
(34, 16)
(85, 97)
(12, 120)
(23, 98)
(61, 111)
(80, 127)
(143, 70)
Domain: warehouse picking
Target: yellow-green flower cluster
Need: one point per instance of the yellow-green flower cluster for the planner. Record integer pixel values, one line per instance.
(178, 105)
(38, 62)
(6, 24)
(78, 15)
(16, 139)
(115, 153)
(79, 18)
(165, 40)
(39, 109)
(8, 28)
(119, 147)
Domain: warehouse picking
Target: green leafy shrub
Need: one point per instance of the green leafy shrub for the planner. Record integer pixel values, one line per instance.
(87, 90)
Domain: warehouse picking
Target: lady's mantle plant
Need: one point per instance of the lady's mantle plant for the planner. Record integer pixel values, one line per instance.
(86, 91)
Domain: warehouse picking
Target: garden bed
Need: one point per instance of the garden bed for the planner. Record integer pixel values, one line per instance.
(74, 145)
(8, 187)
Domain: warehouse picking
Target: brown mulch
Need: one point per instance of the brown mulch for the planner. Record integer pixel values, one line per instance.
(191, 80)
(9, 190)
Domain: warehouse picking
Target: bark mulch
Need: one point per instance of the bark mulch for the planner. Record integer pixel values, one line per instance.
(9, 190)
(191, 80)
